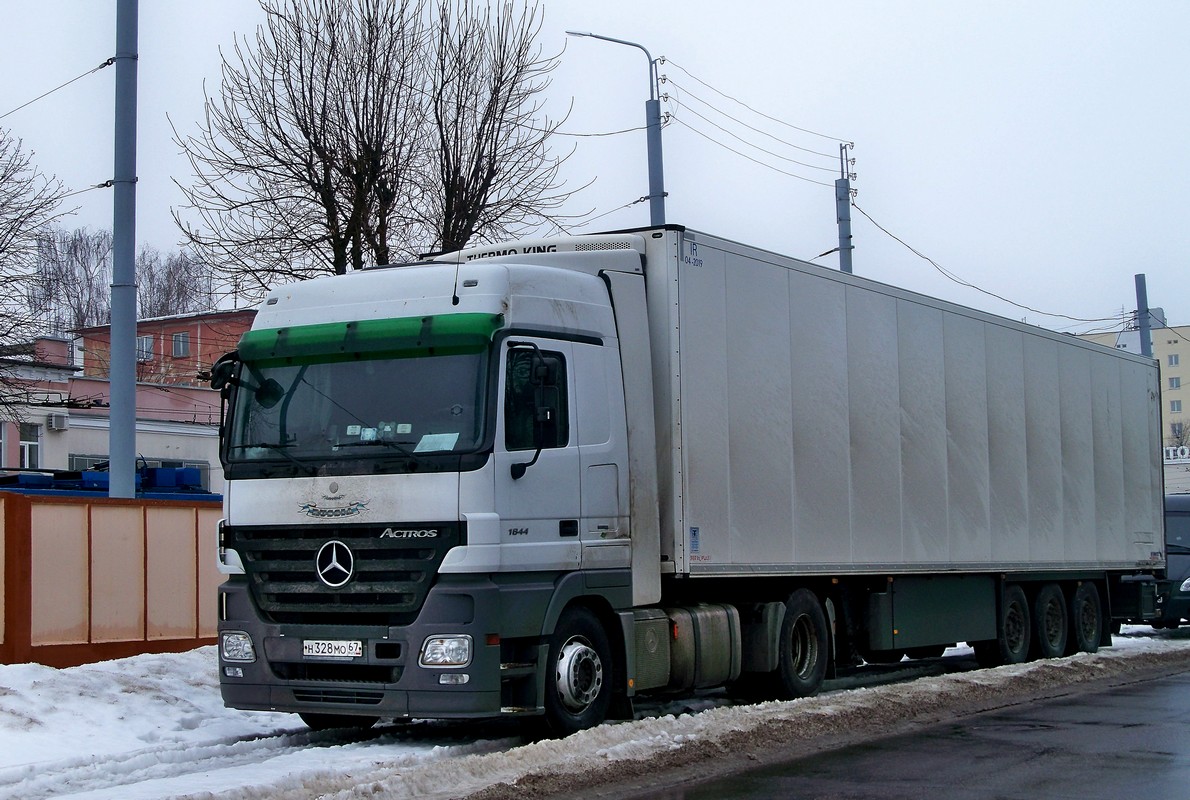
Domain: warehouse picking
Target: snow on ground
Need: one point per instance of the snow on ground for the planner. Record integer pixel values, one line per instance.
(154, 726)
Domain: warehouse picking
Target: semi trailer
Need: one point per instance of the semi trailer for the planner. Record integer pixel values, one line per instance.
(542, 478)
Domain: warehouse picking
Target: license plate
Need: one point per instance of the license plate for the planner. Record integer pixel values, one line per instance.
(332, 648)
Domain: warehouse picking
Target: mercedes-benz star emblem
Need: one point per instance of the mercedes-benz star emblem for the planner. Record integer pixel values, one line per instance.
(334, 563)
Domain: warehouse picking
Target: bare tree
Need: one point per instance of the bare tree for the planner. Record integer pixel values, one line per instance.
(301, 162)
(494, 172)
(29, 201)
(176, 283)
(1179, 435)
(352, 133)
(73, 279)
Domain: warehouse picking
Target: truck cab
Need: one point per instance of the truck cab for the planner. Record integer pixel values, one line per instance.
(426, 465)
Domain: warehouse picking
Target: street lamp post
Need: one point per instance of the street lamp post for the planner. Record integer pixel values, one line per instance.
(653, 132)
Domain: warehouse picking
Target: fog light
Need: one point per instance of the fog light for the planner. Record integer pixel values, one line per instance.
(237, 646)
(446, 651)
(233, 672)
(453, 678)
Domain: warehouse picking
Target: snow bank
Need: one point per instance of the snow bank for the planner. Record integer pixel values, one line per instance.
(154, 726)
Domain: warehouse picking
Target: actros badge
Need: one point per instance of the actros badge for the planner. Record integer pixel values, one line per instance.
(334, 563)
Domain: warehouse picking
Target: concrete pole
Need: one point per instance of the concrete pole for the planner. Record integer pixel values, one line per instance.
(122, 433)
(656, 172)
(653, 132)
(1142, 317)
(843, 212)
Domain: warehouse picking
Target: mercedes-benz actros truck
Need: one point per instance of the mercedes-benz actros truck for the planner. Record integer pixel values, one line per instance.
(542, 478)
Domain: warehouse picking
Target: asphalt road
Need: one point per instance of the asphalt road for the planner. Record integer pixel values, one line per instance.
(1129, 741)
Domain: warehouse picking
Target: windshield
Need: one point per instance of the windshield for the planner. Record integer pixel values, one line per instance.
(358, 409)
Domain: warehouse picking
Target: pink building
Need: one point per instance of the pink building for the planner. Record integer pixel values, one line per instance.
(65, 396)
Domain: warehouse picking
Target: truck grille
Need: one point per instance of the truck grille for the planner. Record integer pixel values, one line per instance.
(391, 570)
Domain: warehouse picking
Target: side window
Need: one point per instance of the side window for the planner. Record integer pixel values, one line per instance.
(536, 412)
(1177, 533)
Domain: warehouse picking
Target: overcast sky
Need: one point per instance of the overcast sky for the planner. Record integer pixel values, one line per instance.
(1035, 150)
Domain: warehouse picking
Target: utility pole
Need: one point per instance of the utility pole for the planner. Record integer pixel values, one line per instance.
(843, 209)
(122, 430)
(653, 132)
(1142, 317)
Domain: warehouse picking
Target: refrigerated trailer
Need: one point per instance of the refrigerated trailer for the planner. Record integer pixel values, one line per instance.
(544, 477)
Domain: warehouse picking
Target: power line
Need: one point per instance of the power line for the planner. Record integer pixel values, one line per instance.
(665, 59)
(107, 63)
(750, 158)
(951, 276)
(757, 147)
(586, 135)
(104, 185)
(587, 222)
(745, 124)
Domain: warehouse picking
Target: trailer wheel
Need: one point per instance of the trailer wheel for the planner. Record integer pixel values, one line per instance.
(1086, 619)
(578, 686)
(326, 722)
(804, 646)
(1050, 621)
(1011, 645)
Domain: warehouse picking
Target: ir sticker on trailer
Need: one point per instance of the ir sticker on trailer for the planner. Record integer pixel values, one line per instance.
(694, 540)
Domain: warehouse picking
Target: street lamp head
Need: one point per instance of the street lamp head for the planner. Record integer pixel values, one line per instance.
(578, 33)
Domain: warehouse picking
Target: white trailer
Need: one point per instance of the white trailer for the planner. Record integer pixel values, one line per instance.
(538, 478)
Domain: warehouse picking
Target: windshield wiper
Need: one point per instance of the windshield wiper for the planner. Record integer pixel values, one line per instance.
(280, 450)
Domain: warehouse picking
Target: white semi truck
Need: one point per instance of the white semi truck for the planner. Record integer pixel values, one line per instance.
(544, 477)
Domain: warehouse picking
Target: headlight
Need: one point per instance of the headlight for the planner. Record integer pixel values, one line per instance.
(237, 646)
(1185, 586)
(446, 651)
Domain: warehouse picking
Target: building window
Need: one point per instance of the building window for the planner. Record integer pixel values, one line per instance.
(1176, 429)
(30, 445)
(1175, 383)
(181, 344)
(1173, 359)
(144, 348)
(1175, 406)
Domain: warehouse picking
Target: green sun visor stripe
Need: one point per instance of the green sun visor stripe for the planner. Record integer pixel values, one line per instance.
(442, 334)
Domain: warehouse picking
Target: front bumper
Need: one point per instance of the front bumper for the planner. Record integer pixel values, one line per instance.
(386, 681)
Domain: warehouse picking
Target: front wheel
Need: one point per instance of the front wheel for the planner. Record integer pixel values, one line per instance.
(578, 687)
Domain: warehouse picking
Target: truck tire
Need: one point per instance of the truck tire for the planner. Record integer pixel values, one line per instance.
(578, 685)
(1013, 632)
(1086, 619)
(803, 646)
(326, 722)
(1051, 627)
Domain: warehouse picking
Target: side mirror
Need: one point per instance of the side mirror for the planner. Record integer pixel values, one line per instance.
(223, 371)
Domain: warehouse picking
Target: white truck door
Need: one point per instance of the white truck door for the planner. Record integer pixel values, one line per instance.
(537, 456)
